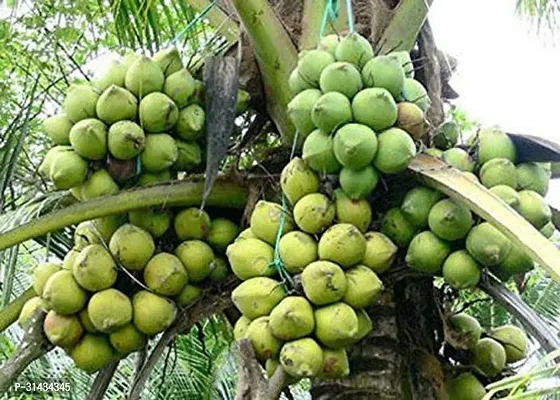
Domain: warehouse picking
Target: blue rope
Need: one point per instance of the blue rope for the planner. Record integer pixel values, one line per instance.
(204, 11)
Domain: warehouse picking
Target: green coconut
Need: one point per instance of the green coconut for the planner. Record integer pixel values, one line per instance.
(298, 83)
(58, 128)
(109, 310)
(461, 271)
(157, 113)
(395, 149)
(517, 262)
(165, 274)
(314, 213)
(85, 320)
(222, 233)
(299, 110)
(80, 102)
(341, 77)
(365, 325)
(113, 74)
(220, 269)
(514, 341)
(69, 259)
(189, 156)
(403, 58)
(493, 142)
(292, 318)
(268, 218)
(468, 327)
(447, 135)
(363, 287)
(192, 223)
(532, 176)
(116, 104)
(28, 310)
(417, 204)
(508, 194)
(323, 282)
(188, 295)
(411, 118)
(160, 152)
(343, 244)
(487, 245)
(355, 146)
(414, 92)
(355, 49)
(397, 227)
(144, 76)
(152, 313)
(125, 140)
(62, 330)
(298, 180)
(464, 387)
(128, 339)
(318, 153)
(329, 43)
(312, 63)
(100, 183)
(67, 169)
(380, 252)
(63, 294)
(331, 111)
(498, 171)
(534, 208)
(427, 252)
(301, 358)
(156, 222)
(450, 220)
(152, 178)
(548, 230)
(94, 268)
(336, 325)
(384, 72)
(458, 158)
(251, 257)
(169, 60)
(190, 123)
(240, 328)
(44, 168)
(92, 353)
(358, 184)
(355, 212)
(256, 297)
(197, 257)
(132, 246)
(179, 87)
(489, 357)
(335, 364)
(265, 344)
(89, 139)
(41, 274)
(297, 250)
(376, 108)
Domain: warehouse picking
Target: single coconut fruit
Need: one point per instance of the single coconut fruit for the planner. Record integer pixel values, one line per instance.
(517, 262)
(116, 104)
(312, 64)
(220, 269)
(169, 60)
(318, 153)
(384, 72)
(447, 135)
(192, 223)
(269, 220)
(92, 353)
(531, 176)
(331, 111)
(160, 152)
(44, 168)
(189, 156)
(427, 253)
(411, 118)
(125, 140)
(222, 233)
(458, 158)
(94, 268)
(508, 194)
(329, 43)
(132, 246)
(80, 102)
(298, 180)
(67, 169)
(301, 358)
(58, 128)
(341, 77)
(376, 108)
(109, 310)
(548, 230)
(498, 171)
(314, 213)
(89, 139)
(251, 257)
(495, 143)
(355, 212)
(534, 208)
(380, 252)
(113, 74)
(395, 149)
(417, 204)
(156, 222)
(355, 146)
(292, 318)
(487, 244)
(144, 76)
(297, 250)
(461, 271)
(397, 227)
(240, 328)
(363, 287)
(342, 244)
(414, 92)
(179, 86)
(190, 123)
(489, 357)
(403, 58)
(298, 83)
(265, 344)
(85, 320)
(197, 257)
(336, 325)
(335, 364)
(152, 313)
(63, 294)
(299, 110)
(41, 274)
(86, 234)
(464, 387)
(257, 297)
(128, 339)
(188, 295)
(514, 341)
(354, 49)
(468, 327)
(28, 310)
(243, 101)
(450, 220)
(62, 330)
(358, 184)
(323, 282)
(99, 184)
(157, 113)
(152, 178)
(365, 325)
(165, 274)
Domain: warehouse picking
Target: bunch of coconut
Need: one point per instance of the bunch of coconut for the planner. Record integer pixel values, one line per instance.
(124, 281)
(325, 246)
(487, 354)
(356, 114)
(140, 122)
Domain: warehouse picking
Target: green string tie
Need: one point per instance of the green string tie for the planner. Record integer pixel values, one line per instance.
(204, 11)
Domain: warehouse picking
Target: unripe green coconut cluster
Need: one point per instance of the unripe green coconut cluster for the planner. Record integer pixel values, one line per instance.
(356, 114)
(126, 281)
